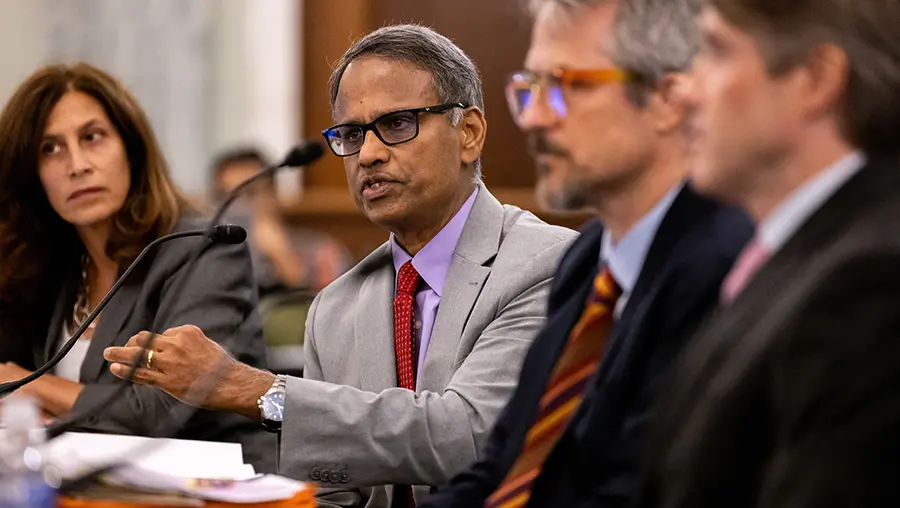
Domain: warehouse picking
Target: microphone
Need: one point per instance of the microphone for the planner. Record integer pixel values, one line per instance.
(228, 233)
(223, 234)
(302, 154)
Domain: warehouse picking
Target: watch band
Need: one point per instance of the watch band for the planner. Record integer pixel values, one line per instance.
(271, 405)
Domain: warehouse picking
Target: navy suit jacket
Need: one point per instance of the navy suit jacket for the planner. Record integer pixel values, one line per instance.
(597, 460)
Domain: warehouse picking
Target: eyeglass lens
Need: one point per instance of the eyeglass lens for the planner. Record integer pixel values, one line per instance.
(392, 129)
(522, 97)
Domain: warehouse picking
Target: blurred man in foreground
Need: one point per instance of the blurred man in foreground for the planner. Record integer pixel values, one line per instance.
(791, 395)
(411, 355)
(599, 100)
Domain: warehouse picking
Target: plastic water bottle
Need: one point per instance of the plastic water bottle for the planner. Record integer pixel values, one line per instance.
(23, 483)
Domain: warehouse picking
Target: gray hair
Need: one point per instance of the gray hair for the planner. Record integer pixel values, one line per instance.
(454, 76)
(651, 38)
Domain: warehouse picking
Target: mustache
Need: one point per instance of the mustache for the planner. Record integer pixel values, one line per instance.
(538, 144)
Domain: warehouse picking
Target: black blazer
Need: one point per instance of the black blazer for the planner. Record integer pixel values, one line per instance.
(790, 397)
(596, 460)
(220, 298)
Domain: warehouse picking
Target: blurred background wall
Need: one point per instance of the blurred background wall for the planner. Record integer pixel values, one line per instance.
(213, 74)
(210, 73)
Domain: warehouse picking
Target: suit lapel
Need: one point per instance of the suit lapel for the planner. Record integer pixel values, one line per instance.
(624, 349)
(373, 326)
(683, 214)
(43, 352)
(109, 326)
(478, 245)
(873, 184)
(686, 210)
(572, 284)
(578, 267)
(61, 311)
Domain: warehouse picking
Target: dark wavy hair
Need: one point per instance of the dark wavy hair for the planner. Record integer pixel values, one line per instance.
(38, 249)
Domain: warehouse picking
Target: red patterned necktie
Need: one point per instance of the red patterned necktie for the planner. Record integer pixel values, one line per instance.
(563, 394)
(405, 350)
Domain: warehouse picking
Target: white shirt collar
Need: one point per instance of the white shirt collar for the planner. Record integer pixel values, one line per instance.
(626, 258)
(776, 229)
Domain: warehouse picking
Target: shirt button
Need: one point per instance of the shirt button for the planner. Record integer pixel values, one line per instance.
(418, 325)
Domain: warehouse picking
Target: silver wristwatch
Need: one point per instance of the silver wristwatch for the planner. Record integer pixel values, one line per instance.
(271, 405)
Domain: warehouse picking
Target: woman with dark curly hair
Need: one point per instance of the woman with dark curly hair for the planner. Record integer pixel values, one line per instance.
(84, 188)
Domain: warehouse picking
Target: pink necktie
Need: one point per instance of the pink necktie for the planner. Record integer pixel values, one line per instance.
(751, 259)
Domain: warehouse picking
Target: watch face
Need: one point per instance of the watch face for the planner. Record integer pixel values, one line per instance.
(273, 406)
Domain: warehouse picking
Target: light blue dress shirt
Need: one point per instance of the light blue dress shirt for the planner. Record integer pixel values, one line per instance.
(626, 258)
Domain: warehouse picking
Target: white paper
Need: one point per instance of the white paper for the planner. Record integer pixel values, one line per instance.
(76, 453)
(201, 469)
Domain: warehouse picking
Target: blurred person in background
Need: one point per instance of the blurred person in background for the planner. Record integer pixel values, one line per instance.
(84, 188)
(599, 99)
(284, 257)
(410, 355)
(790, 396)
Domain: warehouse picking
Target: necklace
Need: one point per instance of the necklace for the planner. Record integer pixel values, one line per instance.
(82, 304)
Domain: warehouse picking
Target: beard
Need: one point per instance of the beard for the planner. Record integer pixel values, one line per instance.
(568, 196)
(572, 193)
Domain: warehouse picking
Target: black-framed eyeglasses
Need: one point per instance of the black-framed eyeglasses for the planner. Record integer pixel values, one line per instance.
(391, 128)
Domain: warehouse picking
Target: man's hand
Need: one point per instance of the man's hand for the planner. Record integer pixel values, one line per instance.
(192, 368)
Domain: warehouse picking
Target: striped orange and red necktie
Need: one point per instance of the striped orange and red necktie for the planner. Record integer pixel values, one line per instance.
(565, 390)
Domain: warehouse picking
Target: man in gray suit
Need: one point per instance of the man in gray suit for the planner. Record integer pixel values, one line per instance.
(411, 355)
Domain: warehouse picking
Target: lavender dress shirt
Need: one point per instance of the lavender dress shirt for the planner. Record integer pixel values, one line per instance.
(433, 265)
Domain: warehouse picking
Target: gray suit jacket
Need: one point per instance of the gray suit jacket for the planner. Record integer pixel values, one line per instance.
(349, 428)
(220, 298)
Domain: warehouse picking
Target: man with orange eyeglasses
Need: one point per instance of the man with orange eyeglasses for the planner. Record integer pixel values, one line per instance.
(600, 103)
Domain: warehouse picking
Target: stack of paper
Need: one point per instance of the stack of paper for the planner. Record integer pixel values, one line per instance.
(207, 470)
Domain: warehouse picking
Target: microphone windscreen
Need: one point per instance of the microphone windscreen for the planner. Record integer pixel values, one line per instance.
(303, 154)
(227, 233)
